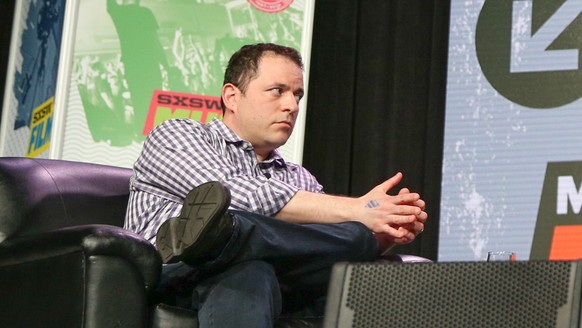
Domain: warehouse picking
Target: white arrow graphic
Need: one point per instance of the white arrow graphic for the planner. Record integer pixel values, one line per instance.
(529, 52)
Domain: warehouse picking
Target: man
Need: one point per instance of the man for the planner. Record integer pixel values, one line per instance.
(280, 232)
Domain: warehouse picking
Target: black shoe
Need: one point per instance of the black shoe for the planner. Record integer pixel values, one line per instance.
(201, 230)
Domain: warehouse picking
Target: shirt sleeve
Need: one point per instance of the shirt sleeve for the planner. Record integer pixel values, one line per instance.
(181, 154)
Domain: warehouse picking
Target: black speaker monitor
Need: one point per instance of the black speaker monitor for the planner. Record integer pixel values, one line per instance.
(457, 294)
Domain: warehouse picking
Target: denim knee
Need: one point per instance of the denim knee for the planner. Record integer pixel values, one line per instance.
(361, 244)
(261, 280)
(247, 294)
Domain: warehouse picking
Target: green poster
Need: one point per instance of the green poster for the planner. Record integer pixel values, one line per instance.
(138, 63)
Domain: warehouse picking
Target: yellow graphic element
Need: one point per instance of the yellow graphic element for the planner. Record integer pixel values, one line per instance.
(41, 124)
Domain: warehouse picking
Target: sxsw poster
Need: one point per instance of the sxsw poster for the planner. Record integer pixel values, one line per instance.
(32, 76)
(137, 63)
(512, 160)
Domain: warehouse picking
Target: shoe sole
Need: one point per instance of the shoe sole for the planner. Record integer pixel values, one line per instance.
(201, 207)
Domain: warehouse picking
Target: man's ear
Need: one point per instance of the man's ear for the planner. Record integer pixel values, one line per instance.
(230, 96)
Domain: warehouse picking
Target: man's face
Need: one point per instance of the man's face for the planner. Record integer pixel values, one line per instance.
(266, 113)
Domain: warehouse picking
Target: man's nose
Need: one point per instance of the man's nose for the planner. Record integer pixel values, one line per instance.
(290, 103)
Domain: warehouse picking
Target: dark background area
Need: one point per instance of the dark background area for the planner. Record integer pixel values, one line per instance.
(376, 98)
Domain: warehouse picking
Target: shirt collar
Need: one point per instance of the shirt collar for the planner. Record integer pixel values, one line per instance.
(224, 131)
(231, 137)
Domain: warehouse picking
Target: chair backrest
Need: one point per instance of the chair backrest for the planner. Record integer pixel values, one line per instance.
(463, 294)
(58, 193)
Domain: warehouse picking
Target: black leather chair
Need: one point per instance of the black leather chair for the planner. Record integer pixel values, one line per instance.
(66, 261)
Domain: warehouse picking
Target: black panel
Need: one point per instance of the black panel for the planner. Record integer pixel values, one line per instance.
(467, 294)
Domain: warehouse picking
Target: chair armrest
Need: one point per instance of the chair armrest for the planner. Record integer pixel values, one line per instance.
(405, 258)
(91, 240)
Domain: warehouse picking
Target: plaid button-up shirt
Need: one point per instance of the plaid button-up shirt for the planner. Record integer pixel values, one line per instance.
(180, 154)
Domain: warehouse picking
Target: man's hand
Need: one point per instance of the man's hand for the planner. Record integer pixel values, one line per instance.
(394, 219)
(399, 216)
(406, 209)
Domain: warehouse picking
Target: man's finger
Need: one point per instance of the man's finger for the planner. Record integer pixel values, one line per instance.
(391, 183)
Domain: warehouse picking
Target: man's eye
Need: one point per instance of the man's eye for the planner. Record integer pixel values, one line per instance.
(277, 91)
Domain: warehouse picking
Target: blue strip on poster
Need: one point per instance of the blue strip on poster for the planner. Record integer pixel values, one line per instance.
(35, 82)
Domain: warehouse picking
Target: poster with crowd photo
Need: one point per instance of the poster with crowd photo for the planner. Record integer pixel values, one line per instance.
(31, 79)
(512, 161)
(138, 63)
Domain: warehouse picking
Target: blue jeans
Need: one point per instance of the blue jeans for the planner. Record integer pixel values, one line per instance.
(267, 265)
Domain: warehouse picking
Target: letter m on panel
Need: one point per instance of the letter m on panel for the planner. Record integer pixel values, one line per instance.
(568, 194)
(559, 214)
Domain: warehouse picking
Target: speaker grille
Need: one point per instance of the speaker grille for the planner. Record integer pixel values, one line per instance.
(471, 294)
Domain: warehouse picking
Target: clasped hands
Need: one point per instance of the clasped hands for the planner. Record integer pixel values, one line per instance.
(394, 219)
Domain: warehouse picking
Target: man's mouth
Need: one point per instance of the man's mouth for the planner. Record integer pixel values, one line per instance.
(288, 123)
